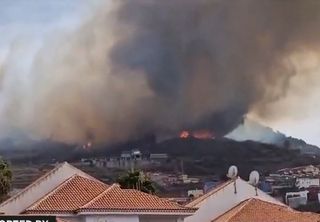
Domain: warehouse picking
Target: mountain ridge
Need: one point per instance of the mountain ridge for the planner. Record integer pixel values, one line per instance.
(254, 131)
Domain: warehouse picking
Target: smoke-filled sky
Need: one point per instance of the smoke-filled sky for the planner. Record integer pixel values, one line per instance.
(109, 71)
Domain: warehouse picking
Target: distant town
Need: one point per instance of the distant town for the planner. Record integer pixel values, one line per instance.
(297, 187)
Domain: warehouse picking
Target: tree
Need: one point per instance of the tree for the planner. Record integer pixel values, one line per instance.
(136, 180)
(5, 179)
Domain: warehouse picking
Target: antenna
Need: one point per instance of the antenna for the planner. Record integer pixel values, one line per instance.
(254, 180)
(232, 174)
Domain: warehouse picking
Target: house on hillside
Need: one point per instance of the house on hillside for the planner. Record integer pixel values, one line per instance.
(306, 182)
(158, 158)
(73, 195)
(301, 170)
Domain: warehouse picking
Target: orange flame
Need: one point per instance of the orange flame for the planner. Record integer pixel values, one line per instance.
(203, 134)
(199, 134)
(184, 134)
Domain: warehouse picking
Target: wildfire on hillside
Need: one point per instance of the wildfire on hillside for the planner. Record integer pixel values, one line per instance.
(184, 134)
(199, 134)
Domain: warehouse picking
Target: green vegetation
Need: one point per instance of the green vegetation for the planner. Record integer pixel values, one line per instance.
(136, 180)
(5, 179)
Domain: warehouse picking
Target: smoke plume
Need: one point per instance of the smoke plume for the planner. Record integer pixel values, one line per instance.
(150, 66)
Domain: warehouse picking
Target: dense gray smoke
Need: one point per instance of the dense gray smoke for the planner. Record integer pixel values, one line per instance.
(151, 66)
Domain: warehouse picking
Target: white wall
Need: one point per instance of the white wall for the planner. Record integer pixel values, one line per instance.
(131, 218)
(112, 218)
(75, 218)
(159, 218)
(307, 182)
(225, 199)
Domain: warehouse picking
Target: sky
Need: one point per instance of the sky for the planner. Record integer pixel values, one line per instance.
(299, 110)
(34, 19)
(26, 24)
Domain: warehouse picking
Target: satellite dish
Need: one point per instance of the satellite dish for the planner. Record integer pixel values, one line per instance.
(254, 178)
(232, 172)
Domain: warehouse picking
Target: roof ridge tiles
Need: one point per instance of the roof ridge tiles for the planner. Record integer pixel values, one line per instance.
(135, 200)
(244, 203)
(75, 180)
(160, 198)
(113, 186)
(37, 202)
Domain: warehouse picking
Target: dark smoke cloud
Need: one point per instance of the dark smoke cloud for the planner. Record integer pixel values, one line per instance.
(150, 66)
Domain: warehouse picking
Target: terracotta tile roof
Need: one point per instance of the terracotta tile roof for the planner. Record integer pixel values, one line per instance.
(198, 200)
(80, 194)
(128, 200)
(253, 210)
(68, 196)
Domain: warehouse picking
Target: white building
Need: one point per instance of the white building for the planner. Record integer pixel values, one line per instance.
(223, 198)
(311, 170)
(305, 182)
(195, 193)
(73, 195)
(296, 199)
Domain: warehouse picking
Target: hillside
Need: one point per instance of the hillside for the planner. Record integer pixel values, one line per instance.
(215, 156)
(252, 130)
(199, 157)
